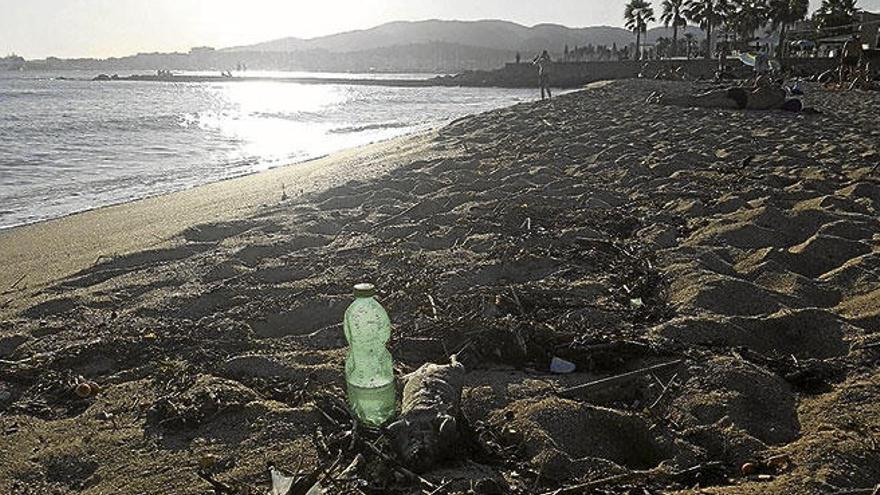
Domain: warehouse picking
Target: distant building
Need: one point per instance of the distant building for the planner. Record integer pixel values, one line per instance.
(869, 30)
(866, 26)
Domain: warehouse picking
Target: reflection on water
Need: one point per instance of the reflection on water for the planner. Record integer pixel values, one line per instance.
(70, 145)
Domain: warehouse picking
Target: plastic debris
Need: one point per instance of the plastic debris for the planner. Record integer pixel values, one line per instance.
(316, 489)
(561, 366)
(280, 483)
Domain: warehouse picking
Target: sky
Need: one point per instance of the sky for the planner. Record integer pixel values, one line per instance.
(105, 28)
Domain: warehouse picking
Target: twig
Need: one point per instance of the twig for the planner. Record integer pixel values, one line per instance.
(518, 302)
(99, 258)
(13, 286)
(441, 487)
(406, 472)
(866, 346)
(663, 393)
(623, 376)
(398, 215)
(219, 487)
(433, 305)
(571, 490)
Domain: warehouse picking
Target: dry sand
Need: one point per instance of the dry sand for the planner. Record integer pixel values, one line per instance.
(595, 228)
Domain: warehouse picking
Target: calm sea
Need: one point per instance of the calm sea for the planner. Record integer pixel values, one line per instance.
(73, 145)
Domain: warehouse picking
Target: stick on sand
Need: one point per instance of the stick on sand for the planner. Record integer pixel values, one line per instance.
(621, 377)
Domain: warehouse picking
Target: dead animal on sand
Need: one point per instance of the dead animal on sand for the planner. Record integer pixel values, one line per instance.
(428, 426)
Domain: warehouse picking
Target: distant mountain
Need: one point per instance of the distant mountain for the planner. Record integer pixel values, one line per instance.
(422, 46)
(491, 34)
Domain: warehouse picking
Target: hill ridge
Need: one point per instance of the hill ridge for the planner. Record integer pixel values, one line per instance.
(485, 33)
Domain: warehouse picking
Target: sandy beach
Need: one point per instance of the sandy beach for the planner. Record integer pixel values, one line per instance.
(739, 249)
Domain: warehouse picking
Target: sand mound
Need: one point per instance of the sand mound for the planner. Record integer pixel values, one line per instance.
(736, 398)
(744, 235)
(207, 398)
(772, 276)
(804, 333)
(862, 310)
(552, 426)
(867, 192)
(307, 316)
(707, 291)
(838, 443)
(820, 254)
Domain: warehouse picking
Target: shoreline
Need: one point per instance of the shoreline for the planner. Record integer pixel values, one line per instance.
(24, 246)
(413, 133)
(158, 194)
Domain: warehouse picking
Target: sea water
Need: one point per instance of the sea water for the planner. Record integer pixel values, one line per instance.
(71, 144)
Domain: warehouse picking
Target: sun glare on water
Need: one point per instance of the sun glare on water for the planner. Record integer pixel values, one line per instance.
(267, 119)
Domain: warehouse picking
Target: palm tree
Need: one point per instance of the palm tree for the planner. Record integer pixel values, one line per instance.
(707, 14)
(836, 13)
(638, 14)
(673, 13)
(746, 16)
(784, 13)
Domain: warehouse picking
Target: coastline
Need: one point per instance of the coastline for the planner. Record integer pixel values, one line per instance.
(52, 249)
(733, 253)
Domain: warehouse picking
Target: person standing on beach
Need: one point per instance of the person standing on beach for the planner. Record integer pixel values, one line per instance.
(850, 58)
(543, 61)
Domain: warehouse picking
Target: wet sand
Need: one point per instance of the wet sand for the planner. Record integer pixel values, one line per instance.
(596, 228)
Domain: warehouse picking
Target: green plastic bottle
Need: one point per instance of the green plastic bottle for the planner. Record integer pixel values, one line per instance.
(369, 370)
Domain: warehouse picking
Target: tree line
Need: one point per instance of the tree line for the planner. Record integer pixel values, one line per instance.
(739, 18)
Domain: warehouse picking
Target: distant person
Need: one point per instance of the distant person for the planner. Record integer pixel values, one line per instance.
(544, 62)
(850, 58)
(762, 62)
(723, 71)
(518, 58)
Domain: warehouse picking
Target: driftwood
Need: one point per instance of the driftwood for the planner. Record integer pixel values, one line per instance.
(618, 378)
(659, 473)
(13, 286)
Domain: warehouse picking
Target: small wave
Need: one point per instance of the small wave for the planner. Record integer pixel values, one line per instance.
(368, 127)
(295, 116)
(24, 94)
